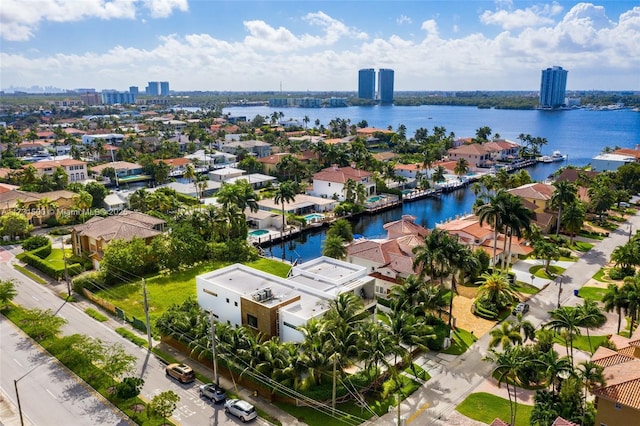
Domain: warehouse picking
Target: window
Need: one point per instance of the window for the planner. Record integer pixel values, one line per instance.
(235, 303)
(252, 321)
(227, 300)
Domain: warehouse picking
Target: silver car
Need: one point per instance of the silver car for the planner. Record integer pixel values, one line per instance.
(241, 409)
(213, 392)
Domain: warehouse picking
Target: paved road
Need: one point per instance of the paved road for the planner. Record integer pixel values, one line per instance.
(191, 410)
(47, 390)
(454, 378)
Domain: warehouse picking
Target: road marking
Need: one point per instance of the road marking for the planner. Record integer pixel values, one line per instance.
(54, 397)
(17, 362)
(418, 412)
(35, 298)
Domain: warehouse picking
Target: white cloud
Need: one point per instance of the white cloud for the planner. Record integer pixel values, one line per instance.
(533, 16)
(403, 19)
(328, 54)
(20, 19)
(164, 8)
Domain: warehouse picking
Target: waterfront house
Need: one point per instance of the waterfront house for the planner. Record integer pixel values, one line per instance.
(221, 175)
(177, 166)
(610, 162)
(471, 233)
(330, 182)
(256, 180)
(629, 152)
(76, 170)
(214, 160)
(475, 154)
(271, 162)
(92, 237)
(412, 171)
(302, 204)
(389, 260)
(618, 401)
(126, 172)
(239, 295)
(502, 150)
(115, 139)
(537, 198)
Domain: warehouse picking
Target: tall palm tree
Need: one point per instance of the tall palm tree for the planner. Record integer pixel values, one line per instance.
(565, 193)
(553, 367)
(566, 322)
(615, 299)
(590, 317)
(494, 213)
(462, 167)
(507, 366)
(285, 193)
(405, 295)
(190, 173)
(517, 223)
(573, 218)
(591, 376)
(375, 344)
(631, 289)
(240, 194)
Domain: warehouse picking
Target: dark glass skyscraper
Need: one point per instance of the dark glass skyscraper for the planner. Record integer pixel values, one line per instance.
(385, 85)
(367, 83)
(553, 85)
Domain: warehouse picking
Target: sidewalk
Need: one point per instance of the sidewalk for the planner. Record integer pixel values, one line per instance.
(453, 379)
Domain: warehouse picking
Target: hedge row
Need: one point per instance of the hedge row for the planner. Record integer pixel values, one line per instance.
(483, 312)
(36, 262)
(42, 252)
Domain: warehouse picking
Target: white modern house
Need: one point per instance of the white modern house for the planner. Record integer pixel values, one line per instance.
(330, 182)
(242, 296)
(610, 162)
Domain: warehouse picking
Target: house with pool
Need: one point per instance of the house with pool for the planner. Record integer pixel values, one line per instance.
(239, 295)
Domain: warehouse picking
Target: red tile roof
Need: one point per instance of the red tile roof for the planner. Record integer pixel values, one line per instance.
(341, 174)
(534, 191)
(471, 149)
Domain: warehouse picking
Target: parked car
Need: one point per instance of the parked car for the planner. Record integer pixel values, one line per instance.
(182, 373)
(521, 308)
(241, 409)
(213, 392)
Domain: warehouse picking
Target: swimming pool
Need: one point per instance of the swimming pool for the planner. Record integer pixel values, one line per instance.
(258, 233)
(313, 216)
(375, 198)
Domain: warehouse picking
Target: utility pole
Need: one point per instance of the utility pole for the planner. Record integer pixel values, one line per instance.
(146, 313)
(66, 272)
(214, 353)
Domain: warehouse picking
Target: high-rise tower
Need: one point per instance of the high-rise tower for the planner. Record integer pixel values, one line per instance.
(385, 85)
(367, 83)
(553, 85)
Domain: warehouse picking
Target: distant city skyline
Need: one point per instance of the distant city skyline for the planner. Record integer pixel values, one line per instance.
(316, 46)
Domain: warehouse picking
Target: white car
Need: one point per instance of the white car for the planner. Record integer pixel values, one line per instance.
(213, 392)
(241, 409)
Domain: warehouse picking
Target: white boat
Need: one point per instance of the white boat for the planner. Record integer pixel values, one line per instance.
(557, 156)
(546, 159)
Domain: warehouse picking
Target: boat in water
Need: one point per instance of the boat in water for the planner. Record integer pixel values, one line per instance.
(554, 158)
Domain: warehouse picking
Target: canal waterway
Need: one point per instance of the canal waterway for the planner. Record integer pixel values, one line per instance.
(581, 134)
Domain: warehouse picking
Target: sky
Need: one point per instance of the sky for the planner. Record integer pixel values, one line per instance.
(312, 46)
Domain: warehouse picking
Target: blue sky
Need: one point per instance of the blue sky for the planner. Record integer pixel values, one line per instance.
(317, 45)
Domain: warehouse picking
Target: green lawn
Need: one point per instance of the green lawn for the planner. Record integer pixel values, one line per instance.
(29, 274)
(485, 407)
(538, 271)
(166, 290)
(592, 293)
(581, 246)
(582, 343)
(600, 276)
(522, 287)
(420, 372)
(55, 258)
(460, 342)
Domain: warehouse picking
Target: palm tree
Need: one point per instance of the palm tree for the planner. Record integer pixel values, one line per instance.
(7, 292)
(375, 344)
(285, 193)
(507, 366)
(547, 251)
(525, 327)
(505, 336)
(591, 376)
(517, 223)
(240, 194)
(565, 193)
(334, 247)
(461, 168)
(494, 212)
(190, 173)
(631, 289)
(405, 296)
(573, 218)
(545, 409)
(590, 317)
(566, 322)
(438, 174)
(496, 289)
(615, 299)
(553, 367)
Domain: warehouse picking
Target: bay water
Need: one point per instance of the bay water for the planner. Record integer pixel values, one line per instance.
(579, 133)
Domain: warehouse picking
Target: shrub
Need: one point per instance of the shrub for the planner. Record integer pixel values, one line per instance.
(35, 242)
(60, 231)
(483, 311)
(620, 273)
(129, 387)
(42, 252)
(564, 252)
(92, 281)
